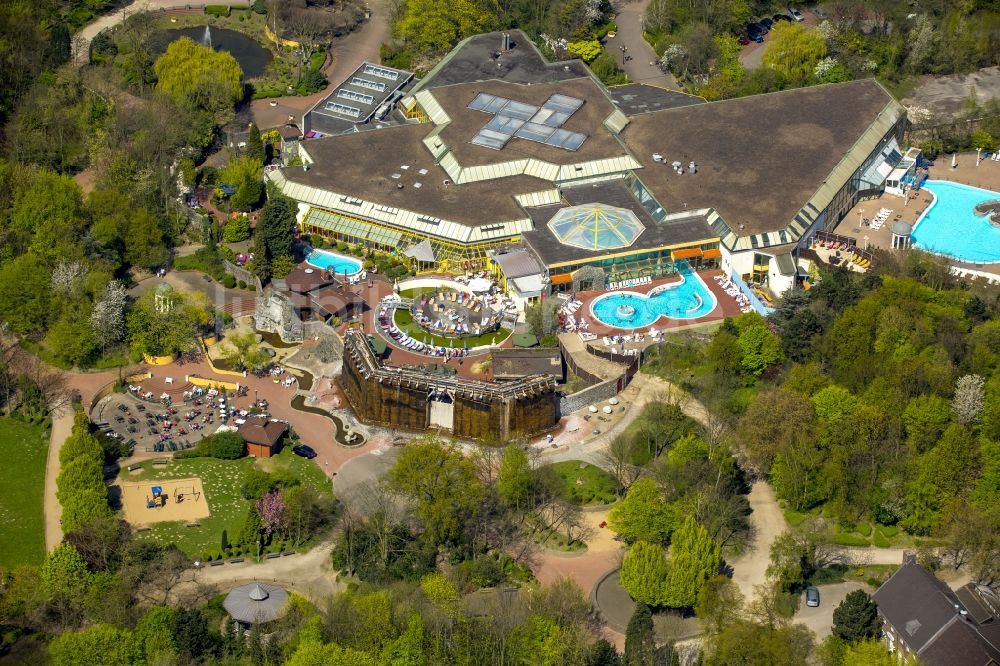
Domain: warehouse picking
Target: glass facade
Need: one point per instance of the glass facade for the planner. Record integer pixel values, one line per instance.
(450, 257)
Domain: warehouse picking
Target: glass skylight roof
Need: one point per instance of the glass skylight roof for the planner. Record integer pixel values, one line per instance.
(596, 227)
(527, 121)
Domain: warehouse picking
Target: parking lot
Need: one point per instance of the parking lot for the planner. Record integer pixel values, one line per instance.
(819, 619)
(750, 56)
(155, 427)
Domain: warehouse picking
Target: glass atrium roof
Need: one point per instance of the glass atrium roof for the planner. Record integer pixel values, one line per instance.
(596, 227)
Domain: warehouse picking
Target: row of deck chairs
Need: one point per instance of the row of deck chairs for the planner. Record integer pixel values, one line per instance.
(730, 287)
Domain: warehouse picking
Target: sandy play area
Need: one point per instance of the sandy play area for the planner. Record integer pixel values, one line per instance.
(192, 507)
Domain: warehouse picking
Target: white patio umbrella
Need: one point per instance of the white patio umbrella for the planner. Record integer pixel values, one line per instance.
(480, 285)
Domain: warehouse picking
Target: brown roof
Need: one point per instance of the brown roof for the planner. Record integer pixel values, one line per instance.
(959, 644)
(261, 431)
(335, 300)
(289, 132)
(588, 119)
(362, 165)
(304, 279)
(759, 158)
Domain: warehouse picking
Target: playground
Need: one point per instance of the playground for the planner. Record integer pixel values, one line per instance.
(149, 502)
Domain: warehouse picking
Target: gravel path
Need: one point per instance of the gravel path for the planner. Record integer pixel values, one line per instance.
(642, 67)
(62, 426)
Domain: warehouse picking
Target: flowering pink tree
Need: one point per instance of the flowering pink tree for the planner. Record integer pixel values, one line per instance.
(271, 508)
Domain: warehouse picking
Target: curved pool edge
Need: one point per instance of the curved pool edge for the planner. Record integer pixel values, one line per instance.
(926, 212)
(655, 291)
(355, 260)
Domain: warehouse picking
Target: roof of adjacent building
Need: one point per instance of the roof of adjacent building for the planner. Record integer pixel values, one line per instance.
(927, 617)
(516, 263)
(636, 98)
(959, 644)
(759, 158)
(304, 279)
(255, 602)
(262, 431)
(522, 362)
(478, 58)
(588, 119)
(363, 91)
(363, 165)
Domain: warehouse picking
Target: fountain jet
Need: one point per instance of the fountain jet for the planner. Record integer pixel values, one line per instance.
(206, 39)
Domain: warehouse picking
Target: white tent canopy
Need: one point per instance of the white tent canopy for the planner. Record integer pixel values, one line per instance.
(480, 285)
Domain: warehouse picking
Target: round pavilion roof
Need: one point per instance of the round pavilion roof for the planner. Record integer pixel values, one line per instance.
(902, 229)
(596, 227)
(255, 603)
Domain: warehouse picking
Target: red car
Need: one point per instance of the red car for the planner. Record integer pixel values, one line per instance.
(744, 40)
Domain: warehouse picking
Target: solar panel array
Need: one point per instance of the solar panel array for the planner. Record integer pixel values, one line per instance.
(526, 121)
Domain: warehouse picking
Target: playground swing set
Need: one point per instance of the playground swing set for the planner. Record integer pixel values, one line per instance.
(158, 499)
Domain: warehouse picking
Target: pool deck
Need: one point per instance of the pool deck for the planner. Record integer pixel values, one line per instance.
(725, 307)
(986, 176)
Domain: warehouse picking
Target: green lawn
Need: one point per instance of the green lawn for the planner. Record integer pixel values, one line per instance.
(404, 321)
(596, 487)
(22, 484)
(221, 480)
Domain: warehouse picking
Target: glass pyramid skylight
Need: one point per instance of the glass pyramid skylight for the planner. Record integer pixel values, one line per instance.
(596, 227)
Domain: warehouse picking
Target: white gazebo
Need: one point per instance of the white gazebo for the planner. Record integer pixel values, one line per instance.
(255, 603)
(901, 232)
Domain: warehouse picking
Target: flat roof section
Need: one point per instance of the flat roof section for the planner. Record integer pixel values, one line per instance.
(475, 60)
(363, 164)
(759, 158)
(686, 230)
(636, 98)
(357, 98)
(587, 120)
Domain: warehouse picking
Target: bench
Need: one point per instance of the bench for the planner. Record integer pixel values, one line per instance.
(288, 552)
(216, 563)
(134, 466)
(193, 525)
(236, 560)
(271, 556)
(143, 529)
(160, 461)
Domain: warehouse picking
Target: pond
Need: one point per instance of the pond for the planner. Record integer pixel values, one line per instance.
(253, 57)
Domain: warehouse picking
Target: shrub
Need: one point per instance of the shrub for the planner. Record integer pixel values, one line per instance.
(242, 284)
(850, 539)
(217, 10)
(874, 582)
(226, 445)
(879, 540)
(228, 281)
(888, 530)
(864, 529)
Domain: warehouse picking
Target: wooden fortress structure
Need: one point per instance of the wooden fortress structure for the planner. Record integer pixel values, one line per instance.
(466, 408)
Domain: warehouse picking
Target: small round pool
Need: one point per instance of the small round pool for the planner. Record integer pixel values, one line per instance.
(337, 263)
(688, 299)
(951, 227)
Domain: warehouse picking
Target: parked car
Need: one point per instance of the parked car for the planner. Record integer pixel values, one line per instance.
(796, 14)
(777, 18)
(744, 40)
(304, 451)
(765, 23)
(812, 596)
(755, 33)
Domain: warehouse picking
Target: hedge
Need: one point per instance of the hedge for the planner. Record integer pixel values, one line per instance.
(217, 10)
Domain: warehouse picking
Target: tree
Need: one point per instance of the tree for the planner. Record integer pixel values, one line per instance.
(644, 514)
(759, 347)
(753, 644)
(144, 246)
(603, 653)
(443, 483)
(640, 646)
(871, 652)
(968, 400)
(694, 558)
(514, 481)
(200, 78)
(276, 226)
(271, 508)
(242, 351)
(433, 26)
(644, 573)
(794, 559)
(236, 229)
(926, 417)
(856, 618)
(64, 573)
(720, 604)
(154, 635)
(227, 445)
(100, 644)
(587, 51)
(255, 145)
(107, 318)
(794, 51)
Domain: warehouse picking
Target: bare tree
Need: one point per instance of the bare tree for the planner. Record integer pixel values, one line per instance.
(616, 456)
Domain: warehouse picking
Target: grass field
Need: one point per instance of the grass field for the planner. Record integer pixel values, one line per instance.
(404, 321)
(596, 487)
(221, 480)
(22, 485)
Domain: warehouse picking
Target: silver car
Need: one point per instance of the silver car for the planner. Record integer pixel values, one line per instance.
(812, 596)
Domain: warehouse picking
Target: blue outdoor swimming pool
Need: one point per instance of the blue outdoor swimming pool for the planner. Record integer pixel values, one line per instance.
(688, 299)
(338, 263)
(950, 226)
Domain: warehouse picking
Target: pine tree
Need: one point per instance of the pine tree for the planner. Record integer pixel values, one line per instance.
(645, 572)
(640, 649)
(603, 653)
(856, 618)
(255, 145)
(694, 558)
